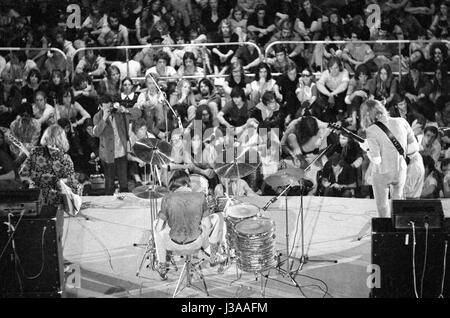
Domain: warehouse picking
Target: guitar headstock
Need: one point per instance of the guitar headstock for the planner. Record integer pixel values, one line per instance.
(334, 126)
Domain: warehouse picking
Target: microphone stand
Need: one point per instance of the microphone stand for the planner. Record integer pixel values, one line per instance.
(174, 112)
(304, 258)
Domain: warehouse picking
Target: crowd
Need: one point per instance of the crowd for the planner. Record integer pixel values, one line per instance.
(106, 103)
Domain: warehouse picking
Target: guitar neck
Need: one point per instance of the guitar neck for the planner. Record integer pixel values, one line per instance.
(348, 132)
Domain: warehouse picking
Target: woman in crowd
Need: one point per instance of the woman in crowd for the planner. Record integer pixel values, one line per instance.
(384, 87)
(55, 87)
(306, 92)
(263, 82)
(32, 85)
(111, 84)
(128, 97)
(188, 68)
(183, 101)
(48, 164)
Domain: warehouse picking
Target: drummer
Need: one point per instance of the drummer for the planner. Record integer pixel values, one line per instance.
(185, 224)
(234, 187)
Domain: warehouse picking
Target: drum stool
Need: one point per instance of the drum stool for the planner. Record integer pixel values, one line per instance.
(189, 269)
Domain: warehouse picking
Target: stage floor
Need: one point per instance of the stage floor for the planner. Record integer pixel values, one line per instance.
(101, 250)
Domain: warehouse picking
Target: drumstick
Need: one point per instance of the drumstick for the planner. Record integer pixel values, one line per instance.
(158, 176)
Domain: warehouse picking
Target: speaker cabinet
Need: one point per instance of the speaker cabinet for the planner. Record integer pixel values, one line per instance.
(33, 267)
(392, 251)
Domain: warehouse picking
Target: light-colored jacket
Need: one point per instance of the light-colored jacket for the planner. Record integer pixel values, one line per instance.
(381, 146)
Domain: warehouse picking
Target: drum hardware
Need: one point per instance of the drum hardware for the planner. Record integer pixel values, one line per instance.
(295, 177)
(156, 153)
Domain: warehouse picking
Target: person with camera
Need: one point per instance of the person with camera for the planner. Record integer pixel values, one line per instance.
(111, 127)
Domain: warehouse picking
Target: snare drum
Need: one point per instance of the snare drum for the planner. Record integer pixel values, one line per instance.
(199, 183)
(235, 214)
(255, 246)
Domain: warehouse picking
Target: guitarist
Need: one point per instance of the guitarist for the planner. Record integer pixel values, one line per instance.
(302, 141)
(388, 142)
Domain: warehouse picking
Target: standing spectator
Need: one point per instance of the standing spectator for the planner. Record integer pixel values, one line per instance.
(332, 86)
(112, 129)
(261, 24)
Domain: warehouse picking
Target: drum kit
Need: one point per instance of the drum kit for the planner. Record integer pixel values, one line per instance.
(249, 238)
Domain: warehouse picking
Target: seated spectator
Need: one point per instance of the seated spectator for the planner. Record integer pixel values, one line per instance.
(385, 87)
(209, 96)
(55, 86)
(85, 93)
(96, 20)
(288, 83)
(36, 39)
(71, 110)
(212, 14)
(431, 186)
(19, 66)
(111, 84)
(293, 51)
(10, 100)
(238, 20)
(128, 97)
(60, 42)
(7, 165)
(422, 11)
(234, 187)
(91, 63)
(414, 85)
(308, 22)
(235, 113)
(440, 24)
(203, 115)
(281, 62)
(262, 83)
(183, 102)
(236, 78)
(332, 87)
(445, 167)
(188, 68)
(267, 112)
(306, 93)
(430, 145)
(248, 55)
(261, 24)
(42, 111)
(25, 128)
(323, 53)
(32, 85)
(355, 54)
(358, 91)
(120, 32)
(163, 69)
(150, 102)
(338, 179)
(144, 24)
(438, 58)
(222, 55)
(440, 85)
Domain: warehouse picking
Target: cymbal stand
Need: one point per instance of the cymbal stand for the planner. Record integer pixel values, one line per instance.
(150, 249)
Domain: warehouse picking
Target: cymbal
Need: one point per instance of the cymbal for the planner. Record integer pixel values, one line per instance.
(146, 192)
(153, 151)
(284, 178)
(238, 162)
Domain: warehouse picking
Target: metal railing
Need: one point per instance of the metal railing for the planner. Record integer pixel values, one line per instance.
(270, 47)
(16, 49)
(148, 46)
